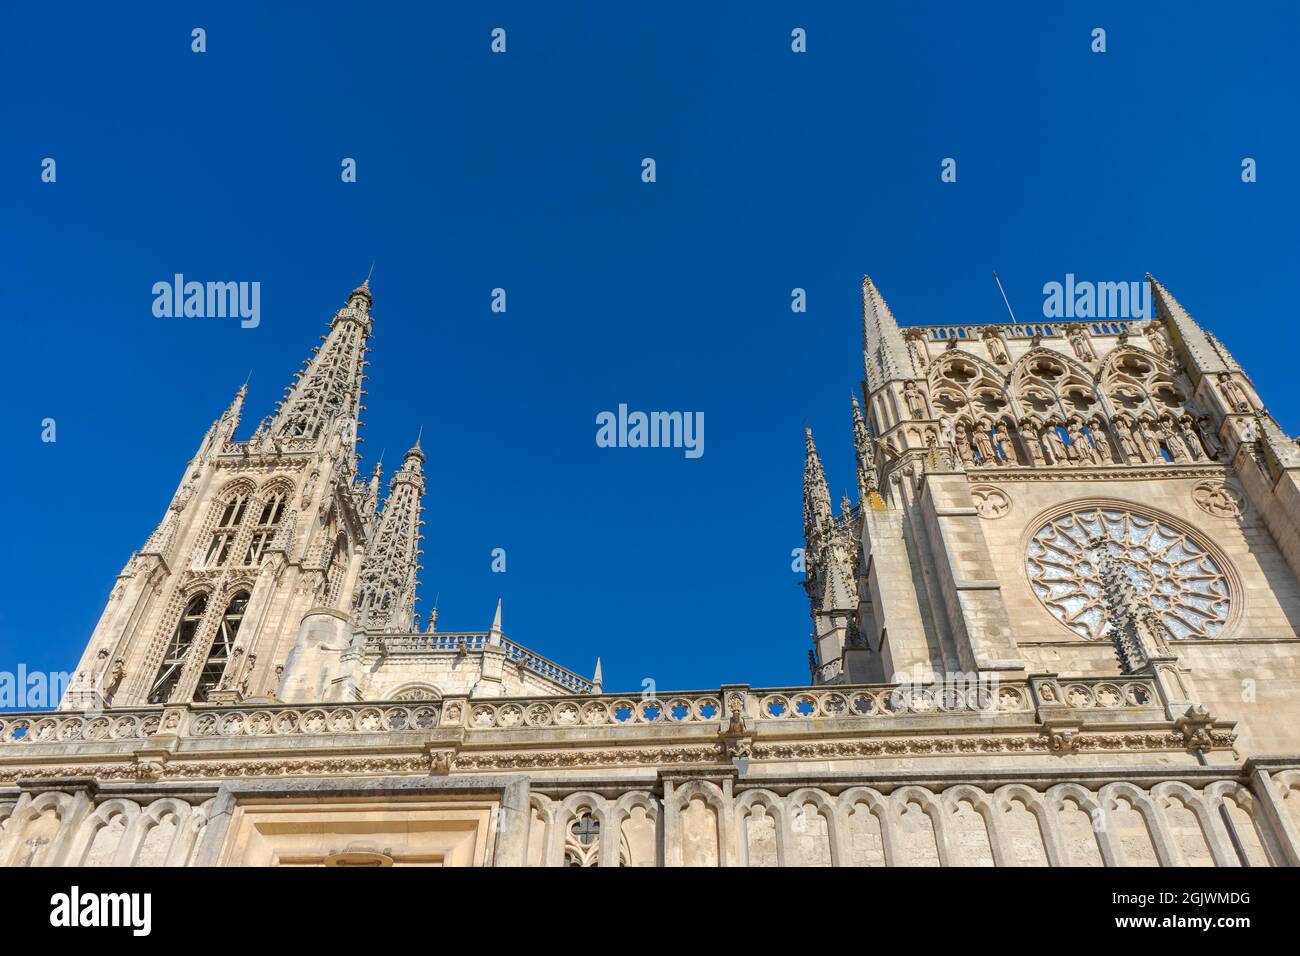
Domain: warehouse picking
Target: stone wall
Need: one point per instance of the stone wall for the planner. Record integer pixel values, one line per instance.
(718, 818)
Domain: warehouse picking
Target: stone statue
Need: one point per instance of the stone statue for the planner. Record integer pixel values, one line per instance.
(1102, 443)
(1159, 344)
(1002, 438)
(1052, 440)
(1173, 441)
(915, 401)
(1079, 443)
(1233, 393)
(1150, 438)
(1082, 347)
(997, 350)
(1192, 441)
(962, 442)
(1127, 445)
(984, 446)
(1029, 432)
(1206, 434)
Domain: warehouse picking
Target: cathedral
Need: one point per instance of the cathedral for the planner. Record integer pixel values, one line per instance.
(1059, 626)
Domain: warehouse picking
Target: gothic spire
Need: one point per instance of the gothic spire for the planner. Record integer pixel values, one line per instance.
(865, 452)
(885, 355)
(816, 496)
(236, 407)
(327, 392)
(223, 429)
(1136, 631)
(386, 586)
(1196, 347)
(838, 592)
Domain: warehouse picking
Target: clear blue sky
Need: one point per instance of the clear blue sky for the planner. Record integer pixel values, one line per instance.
(775, 170)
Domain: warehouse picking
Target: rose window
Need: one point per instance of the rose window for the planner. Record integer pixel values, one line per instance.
(1169, 570)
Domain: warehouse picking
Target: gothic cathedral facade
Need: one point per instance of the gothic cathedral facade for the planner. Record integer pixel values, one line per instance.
(1060, 625)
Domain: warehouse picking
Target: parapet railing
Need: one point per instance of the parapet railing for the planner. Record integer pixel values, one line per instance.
(1133, 696)
(474, 641)
(1029, 330)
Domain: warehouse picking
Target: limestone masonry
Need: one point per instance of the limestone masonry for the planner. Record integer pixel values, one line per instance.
(1057, 627)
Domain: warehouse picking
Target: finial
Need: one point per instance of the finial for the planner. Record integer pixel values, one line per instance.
(415, 451)
(364, 288)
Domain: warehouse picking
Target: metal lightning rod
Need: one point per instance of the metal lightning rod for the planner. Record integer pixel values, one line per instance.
(1004, 298)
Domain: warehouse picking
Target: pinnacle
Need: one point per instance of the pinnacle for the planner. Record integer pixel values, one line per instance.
(415, 451)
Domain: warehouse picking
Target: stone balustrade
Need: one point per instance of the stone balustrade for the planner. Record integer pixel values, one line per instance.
(1130, 697)
(1028, 330)
(475, 642)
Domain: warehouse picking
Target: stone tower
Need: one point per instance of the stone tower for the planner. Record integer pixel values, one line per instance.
(1003, 469)
(258, 533)
(275, 573)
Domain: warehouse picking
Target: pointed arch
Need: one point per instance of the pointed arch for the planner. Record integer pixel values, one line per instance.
(868, 825)
(750, 841)
(1023, 368)
(179, 647)
(922, 835)
(1004, 799)
(808, 840)
(162, 832)
(580, 824)
(984, 370)
(1082, 831)
(1051, 385)
(980, 803)
(1118, 357)
(222, 645)
(336, 569)
(1150, 831)
(229, 509)
(271, 508)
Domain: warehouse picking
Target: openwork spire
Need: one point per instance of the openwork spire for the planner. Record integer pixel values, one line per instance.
(1135, 629)
(885, 355)
(386, 587)
(230, 417)
(816, 496)
(327, 392)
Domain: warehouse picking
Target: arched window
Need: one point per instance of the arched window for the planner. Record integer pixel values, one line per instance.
(227, 527)
(264, 532)
(582, 848)
(169, 674)
(222, 645)
(337, 570)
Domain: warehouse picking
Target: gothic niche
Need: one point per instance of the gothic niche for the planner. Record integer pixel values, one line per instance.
(1051, 411)
(1169, 570)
